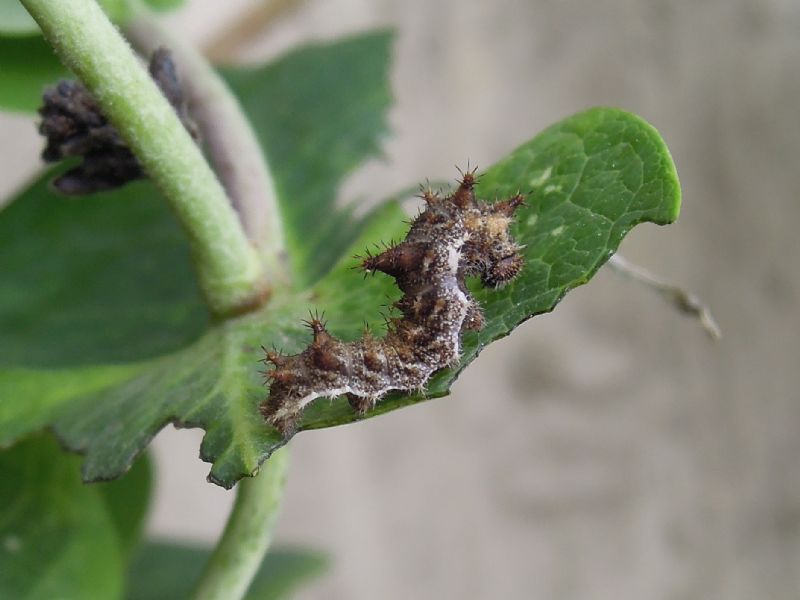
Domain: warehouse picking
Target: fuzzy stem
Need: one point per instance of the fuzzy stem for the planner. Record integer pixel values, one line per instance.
(247, 534)
(231, 143)
(229, 268)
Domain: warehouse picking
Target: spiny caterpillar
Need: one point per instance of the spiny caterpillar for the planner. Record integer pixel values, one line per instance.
(454, 237)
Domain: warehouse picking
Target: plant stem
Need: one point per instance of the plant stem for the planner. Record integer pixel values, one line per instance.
(251, 23)
(231, 143)
(229, 268)
(247, 534)
(684, 300)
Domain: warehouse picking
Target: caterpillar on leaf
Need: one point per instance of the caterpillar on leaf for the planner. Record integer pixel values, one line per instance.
(454, 237)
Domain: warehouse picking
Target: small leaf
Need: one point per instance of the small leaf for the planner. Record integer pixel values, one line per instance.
(169, 570)
(57, 539)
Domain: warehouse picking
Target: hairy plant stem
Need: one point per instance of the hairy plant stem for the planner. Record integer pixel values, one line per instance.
(247, 534)
(230, 270)
(231, 143)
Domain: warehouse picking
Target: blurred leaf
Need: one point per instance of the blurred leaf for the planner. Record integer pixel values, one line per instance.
(593, 177)
(56, 537)
(170, 570)
(164, 4)
(127, 500)
(27, 66)
(319, 113)
(15, 20)
(27, 63)
(105, 278)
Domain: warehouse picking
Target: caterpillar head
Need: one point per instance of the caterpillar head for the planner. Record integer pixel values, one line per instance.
(489, 252)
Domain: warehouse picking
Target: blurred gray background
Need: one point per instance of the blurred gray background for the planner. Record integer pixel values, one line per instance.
(608, 450)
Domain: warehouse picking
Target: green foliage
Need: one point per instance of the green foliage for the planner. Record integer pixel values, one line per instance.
(28, 64)
(107, 279)
(59, 538)
(594, 176)
(62, 539)
(120, 288)
(127, 500)
(320, 124)
(83, 283)
(169, 570)
(164, 5)
(591, 178)
(105, 338)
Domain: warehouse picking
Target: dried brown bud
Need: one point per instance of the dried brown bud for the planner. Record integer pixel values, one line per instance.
(74, 126)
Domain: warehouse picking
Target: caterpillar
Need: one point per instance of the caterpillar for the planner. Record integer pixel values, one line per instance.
(454, 237)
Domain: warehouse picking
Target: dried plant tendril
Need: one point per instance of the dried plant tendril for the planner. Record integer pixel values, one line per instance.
(454, 237)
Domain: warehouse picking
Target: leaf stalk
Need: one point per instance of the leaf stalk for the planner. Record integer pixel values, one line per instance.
(247, 534)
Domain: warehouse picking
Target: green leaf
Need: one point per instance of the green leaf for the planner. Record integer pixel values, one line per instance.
(163, 5)
(27, 66)
(121, 286)
(57, 539)
(592, 176)
(127, 500)
(169, 570)
(15, 20)
(319, 113)
(106, 278)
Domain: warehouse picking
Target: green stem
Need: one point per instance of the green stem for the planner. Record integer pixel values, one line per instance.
(229, 268)
(247, 534)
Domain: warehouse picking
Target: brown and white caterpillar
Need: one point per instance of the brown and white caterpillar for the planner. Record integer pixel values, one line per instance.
(454, 237)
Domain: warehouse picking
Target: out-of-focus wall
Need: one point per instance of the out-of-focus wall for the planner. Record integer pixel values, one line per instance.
(608, 450)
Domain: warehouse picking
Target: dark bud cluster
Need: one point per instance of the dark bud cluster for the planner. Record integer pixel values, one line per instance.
(455, 237)
(74, 126)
